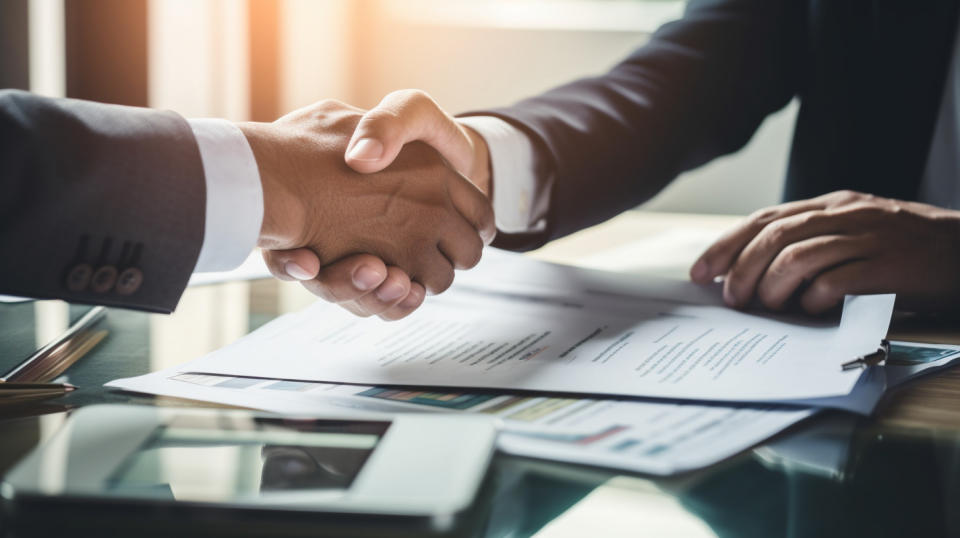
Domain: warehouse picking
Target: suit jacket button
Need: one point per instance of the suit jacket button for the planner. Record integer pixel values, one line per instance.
(129, 281)
(79, 277)
(103, 279)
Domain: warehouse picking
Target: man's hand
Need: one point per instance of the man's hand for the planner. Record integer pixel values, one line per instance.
(410, 116)
(417, 217)
(401, 117)
(841, 243)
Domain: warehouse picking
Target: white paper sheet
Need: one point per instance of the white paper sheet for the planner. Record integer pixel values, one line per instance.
(676, 251)
(655, 438)
(649, 437)
(576, 334)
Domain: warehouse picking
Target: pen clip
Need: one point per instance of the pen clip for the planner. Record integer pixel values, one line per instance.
(872, 359)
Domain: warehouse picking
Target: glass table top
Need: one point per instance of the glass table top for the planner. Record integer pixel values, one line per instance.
(894, 474)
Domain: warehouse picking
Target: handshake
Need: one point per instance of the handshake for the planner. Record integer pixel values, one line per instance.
(372, 210)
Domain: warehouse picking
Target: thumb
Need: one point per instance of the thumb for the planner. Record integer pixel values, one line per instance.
(293, 264)
(406, 116)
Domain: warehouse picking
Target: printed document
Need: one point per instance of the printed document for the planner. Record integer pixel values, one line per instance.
(581, 332)
(649, 437)
(655, 438)
(642, 436)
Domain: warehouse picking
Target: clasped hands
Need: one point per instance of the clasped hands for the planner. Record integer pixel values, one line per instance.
(373, 210)
(361, 207)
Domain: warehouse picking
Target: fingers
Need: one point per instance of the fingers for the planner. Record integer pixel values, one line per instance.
(800, 263)
(461, 245)
(401, 117)
(829, 289)
(294, 264)
(435, 271)
(348, 279)
(474, 206)
(720, 256)
(391, 292)
(755, 258)
(380, 302)
(411, 302)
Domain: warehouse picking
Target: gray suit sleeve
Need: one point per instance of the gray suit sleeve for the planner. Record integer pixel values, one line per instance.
(98, 203)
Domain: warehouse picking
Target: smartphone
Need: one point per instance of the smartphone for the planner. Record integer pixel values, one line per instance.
(208, 472)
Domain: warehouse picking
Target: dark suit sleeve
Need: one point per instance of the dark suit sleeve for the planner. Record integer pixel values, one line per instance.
(98, 203)
(698, 89)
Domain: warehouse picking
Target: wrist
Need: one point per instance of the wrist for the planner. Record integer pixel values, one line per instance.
(281, 208)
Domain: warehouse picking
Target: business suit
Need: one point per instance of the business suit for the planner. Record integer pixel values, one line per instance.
(869, 75)
(100, 203)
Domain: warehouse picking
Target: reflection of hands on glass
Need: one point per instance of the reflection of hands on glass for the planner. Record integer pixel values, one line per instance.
(370, 279)
(376, 244)
(845, 242)
(288, 468)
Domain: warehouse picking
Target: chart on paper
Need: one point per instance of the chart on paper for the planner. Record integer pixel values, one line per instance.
(656, 438)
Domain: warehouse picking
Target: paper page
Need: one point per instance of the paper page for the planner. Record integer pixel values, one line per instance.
(650, 437)
(578, 337)
(499, 268)
(863, 399)
(676, 251)
(656, 438)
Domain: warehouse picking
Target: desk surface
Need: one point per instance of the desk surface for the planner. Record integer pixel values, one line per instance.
(902, 476)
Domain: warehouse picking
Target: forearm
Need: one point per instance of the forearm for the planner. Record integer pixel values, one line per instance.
(697, 90)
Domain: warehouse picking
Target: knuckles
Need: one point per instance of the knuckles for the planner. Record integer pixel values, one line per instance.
(414, 97)
(847, 196)
(764, 216)
(776, 233)
(325, 117)
(794, 255)
(382, 118)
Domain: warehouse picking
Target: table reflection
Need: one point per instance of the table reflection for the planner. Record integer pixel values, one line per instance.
(899, 474)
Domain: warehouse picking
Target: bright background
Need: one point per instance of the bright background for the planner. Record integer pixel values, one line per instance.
(257, 59)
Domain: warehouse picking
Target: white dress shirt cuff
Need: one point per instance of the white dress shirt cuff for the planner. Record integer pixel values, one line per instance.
(518, 195)
(234, 195)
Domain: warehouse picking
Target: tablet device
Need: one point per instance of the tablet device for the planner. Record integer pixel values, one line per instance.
(174, 471)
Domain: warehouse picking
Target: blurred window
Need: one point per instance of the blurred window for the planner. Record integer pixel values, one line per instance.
(613, 15)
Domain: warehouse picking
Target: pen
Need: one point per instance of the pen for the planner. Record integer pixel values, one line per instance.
(56, 356)
(16, 392)
(872, 359)
(14, 387)
(45, 370)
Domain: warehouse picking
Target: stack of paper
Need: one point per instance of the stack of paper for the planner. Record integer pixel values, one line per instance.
(531, 328)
